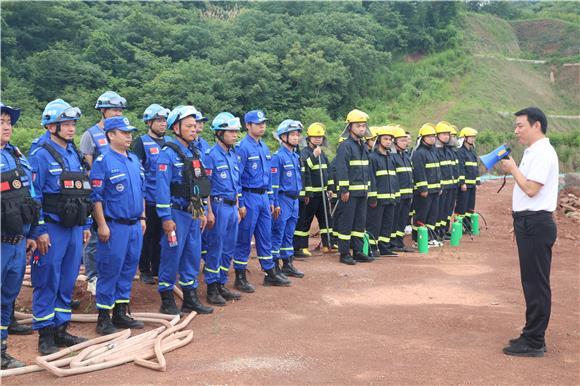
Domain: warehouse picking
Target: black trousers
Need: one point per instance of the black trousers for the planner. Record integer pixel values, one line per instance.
(444, 200)
(380, 225)
(149, 261)
(306, 214)
(426, 212)
(465, 201)
(402, 210)
(351, 224)
(535, 236)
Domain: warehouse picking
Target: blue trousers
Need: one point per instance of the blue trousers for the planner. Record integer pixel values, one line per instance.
(184, 258)
(13, 259)
(221, 242)
(54, 276)
(117, 262)
(257, 223)
(283, 228)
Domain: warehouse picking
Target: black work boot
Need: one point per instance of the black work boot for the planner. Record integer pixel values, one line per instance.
(168, 305)
(362, 258)
(104, 324)
(16, 328)
(147, 278)
(214, 296)
(278, 270)
(121, 318)
(374, 253)
(347, 259)
(75, 304)
(387, 252)
(46, 343)
(241, 283)
(227, 294)
(289, 269)
(7, 361)
(63, 339)
(272, 279)
(191, 302)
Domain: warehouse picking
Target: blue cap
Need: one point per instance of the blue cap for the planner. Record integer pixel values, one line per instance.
(119, 123)
(255, 116)
(14, 112)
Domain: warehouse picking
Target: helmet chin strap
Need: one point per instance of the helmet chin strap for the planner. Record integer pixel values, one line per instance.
(220, 137)
(150, 124)
(359, 136)
(286, 141)
(179, 135)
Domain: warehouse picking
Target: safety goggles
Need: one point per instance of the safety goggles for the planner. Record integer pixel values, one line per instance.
(71, 112)
(163, 113)
(115, 101)
(296, 125)
(233, 123)
(187, 111)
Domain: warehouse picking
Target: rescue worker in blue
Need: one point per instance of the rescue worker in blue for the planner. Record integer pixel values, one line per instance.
(256, 203)
(383, 194)
(18, 214)
(316, 193)
(94, 142)
(468, 175)
(446, 158)
(286, 185)
(181, 187)
(200, 143)
(147, 148)
(221, 165)
(353, 180)
(404, 169)
(117, 180)
(427, 178)
(62, 187)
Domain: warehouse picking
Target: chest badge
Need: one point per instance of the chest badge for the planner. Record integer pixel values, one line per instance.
(78, 184)
(120, 187)
(16, 184)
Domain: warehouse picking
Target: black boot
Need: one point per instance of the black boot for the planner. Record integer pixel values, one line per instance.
(7, 361)
(290, 270)
(64, 339)
(16, 328)
(384, 251)
(46, 343)
(75, 304)
(362, 258)
(374, 253)
(347, 259)
(191, 302)
(168, 305)
(271, 279)
(104, 324)
(227, 294)
(121, 318)
(278, 270)
(241, 283)
(214, 296)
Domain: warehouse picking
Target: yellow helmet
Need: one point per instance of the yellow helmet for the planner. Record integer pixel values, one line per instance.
(374, 132)
(316, 129)
(443, 127)
(388, 130)
(399, 132)
(453, 130)
(427, 129)
(467, 132)
(357, 116)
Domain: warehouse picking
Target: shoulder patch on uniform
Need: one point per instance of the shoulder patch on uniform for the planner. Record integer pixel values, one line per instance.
(100, 157)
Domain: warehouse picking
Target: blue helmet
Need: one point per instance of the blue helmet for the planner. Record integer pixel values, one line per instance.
(287, 126)
(181, 112)
(111, 100)
(226, 121)
(155, 111)
(59, 111)
(12, 111)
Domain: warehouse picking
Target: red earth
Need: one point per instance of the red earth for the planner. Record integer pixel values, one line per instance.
(440, 318)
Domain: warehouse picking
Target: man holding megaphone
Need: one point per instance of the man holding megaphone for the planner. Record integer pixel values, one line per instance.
(534, 200)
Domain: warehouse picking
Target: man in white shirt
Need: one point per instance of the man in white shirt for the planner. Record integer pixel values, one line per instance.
(534, 199)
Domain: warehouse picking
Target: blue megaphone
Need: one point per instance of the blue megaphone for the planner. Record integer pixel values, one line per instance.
(490, 159)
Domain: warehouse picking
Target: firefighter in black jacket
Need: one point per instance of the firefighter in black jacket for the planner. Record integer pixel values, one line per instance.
(468, 175)
(446, 158)
(404, 170)
(453, 146)
(353, 180)
(383, 194)
(427, 177)
(314, 166)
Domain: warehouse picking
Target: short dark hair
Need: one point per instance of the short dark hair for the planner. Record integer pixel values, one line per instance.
(534, 115)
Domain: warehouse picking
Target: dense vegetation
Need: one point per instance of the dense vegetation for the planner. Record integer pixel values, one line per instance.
(404, 62)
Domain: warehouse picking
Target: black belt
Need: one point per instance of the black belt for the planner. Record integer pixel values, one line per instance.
(12, 239)
(225, 200)
(184, 208)
(290, 195)
(255, 190)
(526, 213)
(124, 221)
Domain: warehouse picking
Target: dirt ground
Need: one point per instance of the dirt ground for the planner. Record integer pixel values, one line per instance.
(440, 318)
